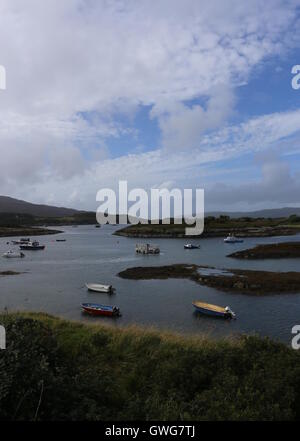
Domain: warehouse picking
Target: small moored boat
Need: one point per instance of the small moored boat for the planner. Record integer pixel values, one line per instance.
(97, 309)
(61, 240)
(32, 246)
(13, 254)
(214, 310)
(232, 239)
(21, 241)
(99, 288)
(190, 246)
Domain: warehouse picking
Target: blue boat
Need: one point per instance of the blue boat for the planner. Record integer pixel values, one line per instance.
(213, 310)
(97, 309)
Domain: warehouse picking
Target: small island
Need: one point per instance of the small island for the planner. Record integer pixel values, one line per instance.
(252, 282)
(220, 226)
(270, 251)
(8, 273)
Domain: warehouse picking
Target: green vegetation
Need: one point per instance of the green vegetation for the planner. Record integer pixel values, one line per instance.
(13, 220)
(219, 227)
(58, 370)
(12, 224)
(269, 251)
(234, 280)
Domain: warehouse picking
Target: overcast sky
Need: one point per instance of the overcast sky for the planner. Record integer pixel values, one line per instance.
(161, 93)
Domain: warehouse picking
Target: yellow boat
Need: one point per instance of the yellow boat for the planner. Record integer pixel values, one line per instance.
(214, 310)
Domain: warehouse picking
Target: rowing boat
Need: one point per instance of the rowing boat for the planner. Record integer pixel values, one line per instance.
(96, 287)
(103, 310)
(213, 310)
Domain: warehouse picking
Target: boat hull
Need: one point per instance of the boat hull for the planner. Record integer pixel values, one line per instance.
(100, 310)
(14, 255)
(107, 289)
(32, 248)
(211, 313)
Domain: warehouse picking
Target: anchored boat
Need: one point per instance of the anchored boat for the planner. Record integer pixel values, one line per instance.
(190, 246)
(32, 246)
(232, 239)
(12, 254)
(98, 288)
(214, 310)
(97, 309)
(21, 241)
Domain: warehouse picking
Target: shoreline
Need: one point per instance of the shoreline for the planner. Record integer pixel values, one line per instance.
(26, 231)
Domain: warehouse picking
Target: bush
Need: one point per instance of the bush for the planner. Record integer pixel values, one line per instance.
(58, 370)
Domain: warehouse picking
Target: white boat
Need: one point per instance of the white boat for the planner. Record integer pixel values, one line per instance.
(98, 288)
(232, 239)
(13, 254)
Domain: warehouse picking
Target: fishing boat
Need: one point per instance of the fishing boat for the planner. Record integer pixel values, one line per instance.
(96, 309)
(232, 239)
(13, 254)
(21, 241)
(190, 246)
(214, 310)
(98, 288)
(35, 245)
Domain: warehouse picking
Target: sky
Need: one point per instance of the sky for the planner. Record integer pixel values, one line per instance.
(161, 93)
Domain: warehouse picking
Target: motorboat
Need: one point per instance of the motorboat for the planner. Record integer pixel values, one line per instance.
(13, 254)
(35, 245)
(232, 239)
(100, 310)
(214, 310)
(21, 241)
(190, 246)
(96, 287)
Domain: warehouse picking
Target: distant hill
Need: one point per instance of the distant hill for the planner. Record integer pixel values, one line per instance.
(267, 213)
(11, 205)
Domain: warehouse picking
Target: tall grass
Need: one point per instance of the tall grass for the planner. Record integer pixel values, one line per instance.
(54, 369)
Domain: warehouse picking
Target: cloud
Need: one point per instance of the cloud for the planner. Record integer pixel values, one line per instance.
(79, 70)
(182, 126)
(278, 186)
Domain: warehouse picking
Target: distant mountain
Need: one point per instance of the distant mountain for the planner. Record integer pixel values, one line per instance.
(11, 205)
(267, 213)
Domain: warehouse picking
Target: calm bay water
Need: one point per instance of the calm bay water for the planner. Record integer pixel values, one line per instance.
(54, 281)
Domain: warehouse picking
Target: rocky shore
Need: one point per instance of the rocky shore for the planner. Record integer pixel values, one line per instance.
(257, 283)
(270, 251)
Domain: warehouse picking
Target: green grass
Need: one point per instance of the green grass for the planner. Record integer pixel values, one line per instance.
(83, 372)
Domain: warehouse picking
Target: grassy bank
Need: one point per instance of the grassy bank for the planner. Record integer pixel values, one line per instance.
(58, 370)
(270, 251)
(218, 227)
(25, 231)
(234, 280)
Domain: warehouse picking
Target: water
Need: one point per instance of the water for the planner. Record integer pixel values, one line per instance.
(53, 281)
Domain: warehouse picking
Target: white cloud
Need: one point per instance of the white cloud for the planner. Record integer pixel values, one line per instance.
(65, 59)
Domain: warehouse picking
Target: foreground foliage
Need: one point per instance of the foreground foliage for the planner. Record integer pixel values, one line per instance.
(58, 370)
